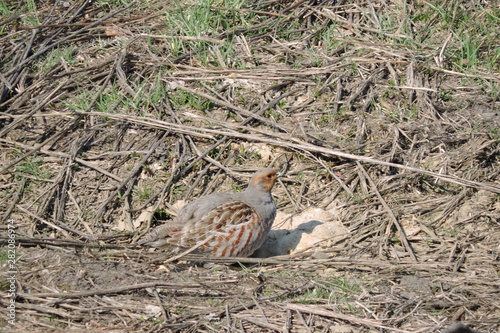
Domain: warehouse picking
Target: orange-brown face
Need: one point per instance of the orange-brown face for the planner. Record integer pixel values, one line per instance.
(265, 180)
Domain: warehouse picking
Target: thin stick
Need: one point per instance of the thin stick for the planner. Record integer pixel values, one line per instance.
(281, 140)
(390, 213)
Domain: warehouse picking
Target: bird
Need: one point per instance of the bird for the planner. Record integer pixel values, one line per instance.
(224, 224)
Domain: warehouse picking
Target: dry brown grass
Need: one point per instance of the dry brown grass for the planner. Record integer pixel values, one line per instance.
(364, 107)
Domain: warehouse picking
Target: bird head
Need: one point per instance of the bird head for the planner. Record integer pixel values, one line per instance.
(264, 179)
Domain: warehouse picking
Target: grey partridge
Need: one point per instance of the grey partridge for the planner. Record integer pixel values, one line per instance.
(226, 224)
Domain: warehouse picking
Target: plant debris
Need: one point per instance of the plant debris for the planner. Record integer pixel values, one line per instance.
(384, 114)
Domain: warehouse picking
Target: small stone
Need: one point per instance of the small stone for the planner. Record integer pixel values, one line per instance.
(320, 255)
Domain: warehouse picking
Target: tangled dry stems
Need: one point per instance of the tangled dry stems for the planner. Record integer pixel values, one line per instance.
(394, 140)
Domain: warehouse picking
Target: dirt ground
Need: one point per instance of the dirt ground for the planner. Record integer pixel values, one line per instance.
(383, 113)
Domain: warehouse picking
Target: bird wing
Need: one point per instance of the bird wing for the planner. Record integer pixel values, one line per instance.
(198, 208)
(227, 230)
(187, 215)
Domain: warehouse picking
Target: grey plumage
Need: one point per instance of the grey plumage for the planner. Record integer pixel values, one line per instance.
(195, 221)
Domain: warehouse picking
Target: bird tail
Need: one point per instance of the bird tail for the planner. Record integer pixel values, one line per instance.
(161, 236)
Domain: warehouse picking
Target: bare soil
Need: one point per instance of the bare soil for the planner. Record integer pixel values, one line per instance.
(97, 146)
